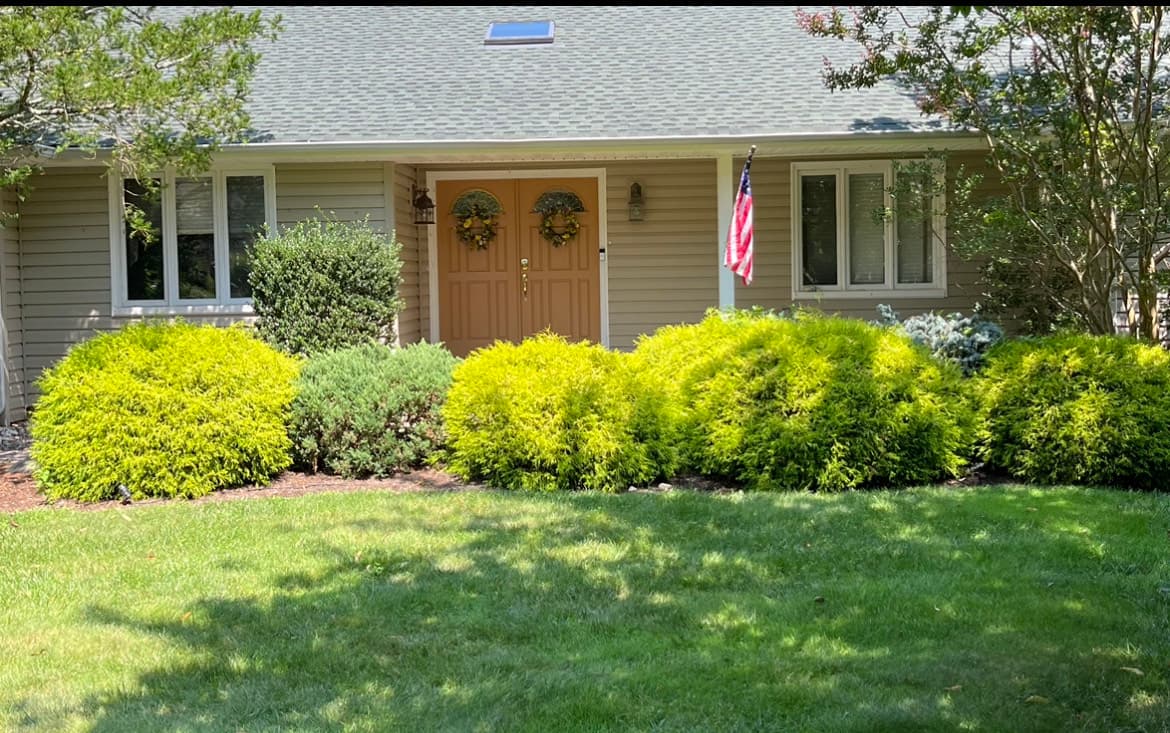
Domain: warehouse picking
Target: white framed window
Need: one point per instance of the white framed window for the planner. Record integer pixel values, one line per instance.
(848, 240)
(197, 260)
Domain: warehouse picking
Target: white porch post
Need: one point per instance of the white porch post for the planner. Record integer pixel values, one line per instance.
(726, 200)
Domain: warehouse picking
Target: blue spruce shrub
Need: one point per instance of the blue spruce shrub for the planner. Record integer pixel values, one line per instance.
(959, 339)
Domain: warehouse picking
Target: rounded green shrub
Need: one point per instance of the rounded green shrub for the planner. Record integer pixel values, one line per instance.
(324, 285)
(1077, 409)
(169, 410)
(810, 403)
(546, 414)
(370, 409)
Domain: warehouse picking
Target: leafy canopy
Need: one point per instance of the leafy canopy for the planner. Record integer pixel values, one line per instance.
(154, 90)
(1073, 103)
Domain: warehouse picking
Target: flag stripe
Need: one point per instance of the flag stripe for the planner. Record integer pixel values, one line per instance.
(738, 254)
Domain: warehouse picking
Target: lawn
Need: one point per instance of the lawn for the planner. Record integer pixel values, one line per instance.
(992, 609)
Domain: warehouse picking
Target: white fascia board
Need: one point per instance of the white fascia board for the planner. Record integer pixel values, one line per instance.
(453, 151)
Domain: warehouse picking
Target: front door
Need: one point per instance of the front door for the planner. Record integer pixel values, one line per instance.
(519, 284)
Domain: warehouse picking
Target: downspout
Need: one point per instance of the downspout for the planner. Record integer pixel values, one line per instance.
(20, 319)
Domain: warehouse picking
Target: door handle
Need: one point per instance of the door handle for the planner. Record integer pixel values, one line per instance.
(524, 276)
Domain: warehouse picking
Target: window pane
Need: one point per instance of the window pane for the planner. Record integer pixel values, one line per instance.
(867, 230)
(196, 241)
(818, 226)
(915, 240)
(245, 207)
(144, 249)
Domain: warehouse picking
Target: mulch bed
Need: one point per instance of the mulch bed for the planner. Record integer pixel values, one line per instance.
(18, 492)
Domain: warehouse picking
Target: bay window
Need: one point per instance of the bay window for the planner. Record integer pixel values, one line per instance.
(851, 240)
(193, 255)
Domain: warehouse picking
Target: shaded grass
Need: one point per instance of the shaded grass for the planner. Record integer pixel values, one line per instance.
(995, 609)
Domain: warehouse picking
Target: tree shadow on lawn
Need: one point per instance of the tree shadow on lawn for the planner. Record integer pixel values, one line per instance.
(692, 612)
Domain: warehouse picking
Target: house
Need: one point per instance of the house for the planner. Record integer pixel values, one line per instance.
(644, 114)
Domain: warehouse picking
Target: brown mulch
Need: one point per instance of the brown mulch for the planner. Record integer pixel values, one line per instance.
(18, 492)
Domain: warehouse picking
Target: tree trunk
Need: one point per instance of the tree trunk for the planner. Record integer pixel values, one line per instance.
(1147, 291)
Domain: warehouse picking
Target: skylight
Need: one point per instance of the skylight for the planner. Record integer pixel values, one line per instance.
(515, 34)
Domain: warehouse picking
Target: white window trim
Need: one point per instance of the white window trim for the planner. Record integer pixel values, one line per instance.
(223, 304)
(937, 288)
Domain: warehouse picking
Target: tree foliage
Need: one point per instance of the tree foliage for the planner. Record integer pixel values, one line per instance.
(154, 88)
(1073, 104)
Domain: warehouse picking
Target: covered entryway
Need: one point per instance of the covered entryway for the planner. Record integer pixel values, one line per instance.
(518, 283)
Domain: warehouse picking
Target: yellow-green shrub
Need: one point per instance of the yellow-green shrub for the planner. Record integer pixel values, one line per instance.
(1077, 409)
(546, 414)
(810, 403)
(165, 409)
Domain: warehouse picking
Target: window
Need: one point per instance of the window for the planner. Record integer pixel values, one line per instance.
(194, 257)
(850, 240)
(514, 34)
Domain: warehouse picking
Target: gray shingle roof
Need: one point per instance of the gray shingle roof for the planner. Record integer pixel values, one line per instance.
(366, 74)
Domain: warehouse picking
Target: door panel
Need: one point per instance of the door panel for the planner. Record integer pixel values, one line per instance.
(564, 283)
(479, 296)
(482, 297)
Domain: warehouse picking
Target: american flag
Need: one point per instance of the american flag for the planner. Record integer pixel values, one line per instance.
(738, 255)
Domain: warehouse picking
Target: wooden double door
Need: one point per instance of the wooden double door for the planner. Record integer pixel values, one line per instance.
(519, 284)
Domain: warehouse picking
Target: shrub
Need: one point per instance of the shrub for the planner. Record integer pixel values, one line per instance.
(370, 409)
(959, 339)
(1077, 409)
(546, 414)
(810, 403)
(325, 285)
(165, 409)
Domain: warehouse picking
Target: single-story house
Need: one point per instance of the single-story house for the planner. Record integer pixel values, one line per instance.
(644, 114)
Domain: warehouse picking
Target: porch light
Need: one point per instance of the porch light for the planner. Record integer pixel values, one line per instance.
(635, 202)
(424, 208)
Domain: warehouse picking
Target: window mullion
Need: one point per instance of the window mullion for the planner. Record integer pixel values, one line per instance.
(890, 229)
(842, 229)
(220, 227)
(170, 240)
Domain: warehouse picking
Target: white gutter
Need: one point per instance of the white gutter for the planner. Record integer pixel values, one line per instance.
(408, 150)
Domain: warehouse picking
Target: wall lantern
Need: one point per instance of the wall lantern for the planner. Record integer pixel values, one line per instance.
(635, 202)
(424, 208)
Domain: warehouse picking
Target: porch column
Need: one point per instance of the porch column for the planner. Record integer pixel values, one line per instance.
(726, 200)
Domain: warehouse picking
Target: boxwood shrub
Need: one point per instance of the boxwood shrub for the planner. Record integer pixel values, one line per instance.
(169, 410)
(323, 285)
(546, 414)
(1077, 409)
(370, 409)
(810, 403)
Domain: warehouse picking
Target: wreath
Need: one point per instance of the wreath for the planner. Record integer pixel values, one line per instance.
(476, 215)
(558, 210)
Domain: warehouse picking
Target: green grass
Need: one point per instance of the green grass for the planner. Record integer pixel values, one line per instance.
(1000, 609)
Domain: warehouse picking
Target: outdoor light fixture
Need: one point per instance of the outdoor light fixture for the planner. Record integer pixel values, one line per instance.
(424, 208)
(635, 202)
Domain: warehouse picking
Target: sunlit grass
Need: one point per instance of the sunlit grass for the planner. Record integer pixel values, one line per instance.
(992, 609)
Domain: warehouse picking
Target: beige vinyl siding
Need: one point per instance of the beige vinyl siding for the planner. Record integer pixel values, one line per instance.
(65, 258)
(65, 246)
(772, 283)
(664, 269)
(410, 321)
(342, 191)
(12, 303)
